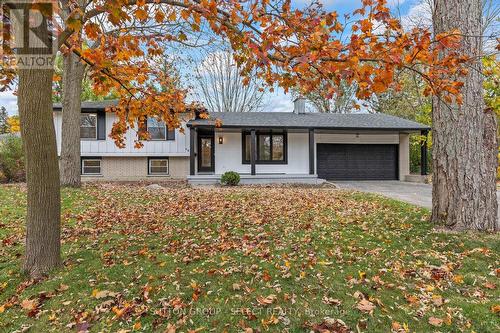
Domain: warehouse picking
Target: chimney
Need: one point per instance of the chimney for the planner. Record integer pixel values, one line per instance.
(299, 105)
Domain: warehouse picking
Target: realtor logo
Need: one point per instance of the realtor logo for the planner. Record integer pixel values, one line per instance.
(27, 39)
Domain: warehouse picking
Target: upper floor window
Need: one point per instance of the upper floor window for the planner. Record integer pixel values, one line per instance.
(157, 129)
(88, 126)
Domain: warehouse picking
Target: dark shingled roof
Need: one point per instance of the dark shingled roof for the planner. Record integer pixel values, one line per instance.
(91, 105)
(369, 121)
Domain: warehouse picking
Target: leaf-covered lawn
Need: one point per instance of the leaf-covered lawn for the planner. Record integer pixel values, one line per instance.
(277, 259)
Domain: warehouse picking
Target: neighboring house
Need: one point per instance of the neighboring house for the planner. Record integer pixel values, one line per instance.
(263, 147)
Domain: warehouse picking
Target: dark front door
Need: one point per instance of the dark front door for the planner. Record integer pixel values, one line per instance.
(206, 153)
(357, 161)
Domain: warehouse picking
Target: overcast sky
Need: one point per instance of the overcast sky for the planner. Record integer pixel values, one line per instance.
(277, 101)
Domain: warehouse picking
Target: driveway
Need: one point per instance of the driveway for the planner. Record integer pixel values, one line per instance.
(414, 193)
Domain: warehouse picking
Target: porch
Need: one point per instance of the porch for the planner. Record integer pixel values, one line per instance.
(247, 179)
(259, 156)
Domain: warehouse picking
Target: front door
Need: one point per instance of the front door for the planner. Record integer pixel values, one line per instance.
(206, 153)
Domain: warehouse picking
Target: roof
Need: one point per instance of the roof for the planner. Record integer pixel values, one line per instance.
(368, 121)
(99, 105)
(91, 105)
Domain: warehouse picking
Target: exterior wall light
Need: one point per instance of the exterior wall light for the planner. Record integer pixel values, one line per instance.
(221, 140)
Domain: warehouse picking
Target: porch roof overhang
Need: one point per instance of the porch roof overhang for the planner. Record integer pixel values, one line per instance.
(319, 121)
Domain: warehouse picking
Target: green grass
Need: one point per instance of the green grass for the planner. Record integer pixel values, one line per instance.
(264, 258)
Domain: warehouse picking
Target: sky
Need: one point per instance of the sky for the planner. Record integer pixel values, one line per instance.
(278, 101)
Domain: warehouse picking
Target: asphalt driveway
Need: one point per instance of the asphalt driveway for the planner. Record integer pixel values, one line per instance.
(414, 193)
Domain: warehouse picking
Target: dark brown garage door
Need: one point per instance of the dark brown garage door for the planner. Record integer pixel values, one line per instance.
(357, 162)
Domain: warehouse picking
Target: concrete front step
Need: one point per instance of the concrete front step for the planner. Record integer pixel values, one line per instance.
(258, 179)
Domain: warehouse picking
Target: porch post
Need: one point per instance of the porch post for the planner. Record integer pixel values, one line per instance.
(253, 150)
(311, 151)
(423, 153)
(192, 140)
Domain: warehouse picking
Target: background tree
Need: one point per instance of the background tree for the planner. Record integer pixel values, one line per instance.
(14, 124)
(4, 126)
(223, 89)
(343, 101)
(410, 103)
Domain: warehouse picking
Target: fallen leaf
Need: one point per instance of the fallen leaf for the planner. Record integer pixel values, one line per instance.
(330, 325)
(62, 287)
(331, 301)
(29, 304)
(103, 293)
(437, 300)
(266, 300)
(489, 285)
(458, 279)
(365, 305)
(435, 321)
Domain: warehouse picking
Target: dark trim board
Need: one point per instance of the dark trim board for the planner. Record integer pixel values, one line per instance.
(360, 129)
(358, 161)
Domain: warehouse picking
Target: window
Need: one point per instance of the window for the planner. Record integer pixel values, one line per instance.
(157, 129)
(271, 147)
(88, 126)
(158, 166)
(91, 166)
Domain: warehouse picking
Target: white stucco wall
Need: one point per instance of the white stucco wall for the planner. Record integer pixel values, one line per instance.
(228, 156)
(177, 147)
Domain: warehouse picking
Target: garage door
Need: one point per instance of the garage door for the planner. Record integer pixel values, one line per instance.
(357, 162)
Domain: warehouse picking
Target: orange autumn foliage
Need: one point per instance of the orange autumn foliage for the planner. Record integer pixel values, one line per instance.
(280, 44)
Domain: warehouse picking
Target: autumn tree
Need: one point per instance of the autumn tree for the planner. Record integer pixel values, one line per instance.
(269, 40)
(14, 124)
(75, 69)
(223, 89)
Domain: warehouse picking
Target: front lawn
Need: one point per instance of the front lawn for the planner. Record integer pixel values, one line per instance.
(248, 259)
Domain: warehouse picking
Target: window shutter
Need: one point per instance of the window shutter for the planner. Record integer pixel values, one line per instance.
(101, 126)
(170, 133)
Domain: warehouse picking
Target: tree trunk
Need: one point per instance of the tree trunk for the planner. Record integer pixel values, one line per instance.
(73, 72)
(43, 219)
(464, 136)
